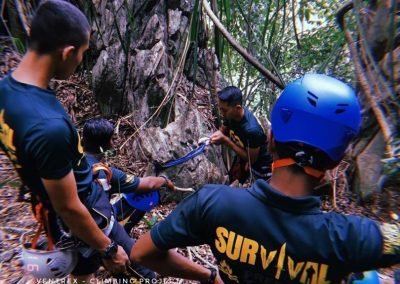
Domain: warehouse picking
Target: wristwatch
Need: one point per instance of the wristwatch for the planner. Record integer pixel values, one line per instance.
(110, 251)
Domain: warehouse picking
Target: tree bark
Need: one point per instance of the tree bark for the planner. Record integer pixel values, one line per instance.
(373, 59)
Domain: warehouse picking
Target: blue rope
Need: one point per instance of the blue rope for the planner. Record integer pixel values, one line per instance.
(172, 163)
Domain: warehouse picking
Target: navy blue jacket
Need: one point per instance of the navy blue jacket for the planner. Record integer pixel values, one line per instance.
(259, 235)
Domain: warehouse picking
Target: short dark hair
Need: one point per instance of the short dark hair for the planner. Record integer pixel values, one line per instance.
(231, 95)
(97, 132)
(57, 24)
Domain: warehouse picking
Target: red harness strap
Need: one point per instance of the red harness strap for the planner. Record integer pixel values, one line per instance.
(102, 167)
(289, 161)
(42, 217)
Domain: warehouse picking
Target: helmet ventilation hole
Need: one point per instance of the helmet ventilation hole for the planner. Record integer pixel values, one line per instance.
(312, 99)
(341, 108)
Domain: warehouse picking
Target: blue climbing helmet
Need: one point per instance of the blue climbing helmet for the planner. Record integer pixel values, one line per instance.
(319, 111)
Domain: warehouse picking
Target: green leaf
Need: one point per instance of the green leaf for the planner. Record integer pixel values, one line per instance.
(21, 48)
(194, 26)
(228, 15)
(307, 14)
(10, 183)
(150, 223)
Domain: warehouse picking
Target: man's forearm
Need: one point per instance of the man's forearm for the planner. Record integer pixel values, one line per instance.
(149, 184)
(241, 152)
(168, 263)
(246, 154)
(83, 226)
(65, 201)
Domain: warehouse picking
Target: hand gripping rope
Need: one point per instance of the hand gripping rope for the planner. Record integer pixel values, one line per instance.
(148, 201)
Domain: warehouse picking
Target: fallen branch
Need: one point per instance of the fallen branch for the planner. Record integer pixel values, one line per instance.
(15, 230)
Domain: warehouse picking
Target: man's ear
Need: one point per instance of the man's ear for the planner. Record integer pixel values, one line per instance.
(67, 52)
(271, 142)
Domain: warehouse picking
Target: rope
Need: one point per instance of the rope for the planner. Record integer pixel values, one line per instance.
(172, 163)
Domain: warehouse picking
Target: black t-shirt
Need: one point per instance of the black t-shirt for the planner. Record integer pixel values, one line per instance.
(39, 138)
(259, 235)
(249, 133)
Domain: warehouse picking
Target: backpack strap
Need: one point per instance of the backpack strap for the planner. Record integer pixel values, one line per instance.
(97, 167)
(105, 183)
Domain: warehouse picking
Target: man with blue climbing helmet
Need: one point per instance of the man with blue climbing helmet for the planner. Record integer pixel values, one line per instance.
(275, 232)
(313, 122)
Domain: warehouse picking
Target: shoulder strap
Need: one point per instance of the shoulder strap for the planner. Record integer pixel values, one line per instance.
(102, 167)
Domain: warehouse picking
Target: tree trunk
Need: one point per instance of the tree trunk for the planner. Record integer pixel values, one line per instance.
(375, 50)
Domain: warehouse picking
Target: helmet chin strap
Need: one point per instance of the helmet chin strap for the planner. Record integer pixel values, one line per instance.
(289, 161)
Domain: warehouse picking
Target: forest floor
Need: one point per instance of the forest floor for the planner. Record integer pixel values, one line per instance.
(16, 217)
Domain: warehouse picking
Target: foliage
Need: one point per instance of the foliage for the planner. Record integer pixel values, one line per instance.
(11, 183)
(150, 223)
(19, 45)
(268, 29)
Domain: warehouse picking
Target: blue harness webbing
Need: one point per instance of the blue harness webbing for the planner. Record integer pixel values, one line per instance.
(172, 163)
(148, 201)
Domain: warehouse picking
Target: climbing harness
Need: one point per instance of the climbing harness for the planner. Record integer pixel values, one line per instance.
(42, 218)
(42, 258)
(129, 202)
(203, 143)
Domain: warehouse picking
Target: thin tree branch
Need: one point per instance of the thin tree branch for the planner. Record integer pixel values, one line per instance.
(294, 24)
(249, 58)
(341, 12)
(218, 47)
(22, 16)
(260, 43)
